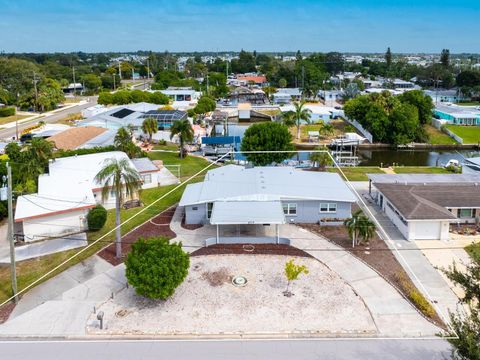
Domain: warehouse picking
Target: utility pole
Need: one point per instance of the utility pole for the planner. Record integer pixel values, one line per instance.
(227, 68)
(120, 70)
(148, 68)
(11, 238)
(74, 83)
(114, 87)
(36, 91)
(208, 93)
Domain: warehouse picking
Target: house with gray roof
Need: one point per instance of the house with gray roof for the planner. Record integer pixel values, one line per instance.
(422, 206)
(235, 195)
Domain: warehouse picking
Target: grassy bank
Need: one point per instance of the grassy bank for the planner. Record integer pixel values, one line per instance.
(420, 170)
(474, 251)
(469, 134)
(9, 119)
(437, 137)
(358, 173)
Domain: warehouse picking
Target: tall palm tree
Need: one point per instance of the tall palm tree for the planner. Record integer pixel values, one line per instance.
(119, 177)
(359, 227)
(184, 131)
(150, 127)
(296, 116)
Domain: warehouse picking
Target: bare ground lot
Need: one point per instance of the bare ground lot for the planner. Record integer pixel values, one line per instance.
(207, 303)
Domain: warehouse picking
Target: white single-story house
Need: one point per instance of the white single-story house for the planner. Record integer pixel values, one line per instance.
(317, 111)
(234, 195)
(422, 206)
(287, 95)
(69, 190)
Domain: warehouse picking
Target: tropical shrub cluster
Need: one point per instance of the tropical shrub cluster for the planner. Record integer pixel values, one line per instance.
(123, 97)
(96, 218)
(7, 111)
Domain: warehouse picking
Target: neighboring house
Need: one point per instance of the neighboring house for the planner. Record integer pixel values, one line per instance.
(287, 95)
(181, 94)
(331, 96)
(422, 206)
(69, 190)
(73, 138)
(457, 115)
(441, 95)
(399, 84)
(165, 118)
(267, 195)
(255, 79)
(76, 88)
(317, 112)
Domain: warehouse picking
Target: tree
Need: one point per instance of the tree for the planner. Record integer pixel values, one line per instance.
(96, 218)
(299, 114)
(183, 129)
(388, 58)
(156, 268)
(123, 142)
(118, 177)
(204, 105)
(321, 159)
(359, 227)
(92, 82)
(351, 91)
(150, 127)
(282, 83)
(327, 129)
(105, 98)
(422, 102)
(464, 331)
(445, 58)
(267, 136)
(292, 272)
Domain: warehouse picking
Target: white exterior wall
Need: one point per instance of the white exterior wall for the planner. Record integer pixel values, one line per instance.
(154, 179)
(404, 229)
(429, 230)
(110, 202)
(55, 225)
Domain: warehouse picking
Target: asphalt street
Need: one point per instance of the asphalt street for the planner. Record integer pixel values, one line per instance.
(338, 349)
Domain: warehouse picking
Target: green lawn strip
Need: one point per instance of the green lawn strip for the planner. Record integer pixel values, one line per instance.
(30, 270)
(474, 251)
(168, 146)
(9, 119)
(358, 173)
(468, 103)
(420, 170)
(188, 166)
(437, 137)
(469, 134)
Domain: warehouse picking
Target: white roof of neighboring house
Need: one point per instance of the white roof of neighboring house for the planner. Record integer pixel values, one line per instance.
(144, 165)
(288, 91)
(314, 108)
(236, 183)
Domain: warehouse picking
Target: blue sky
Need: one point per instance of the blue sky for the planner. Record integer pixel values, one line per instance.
(264, 25)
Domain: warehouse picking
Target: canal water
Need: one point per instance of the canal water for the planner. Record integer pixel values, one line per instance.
(410, 157)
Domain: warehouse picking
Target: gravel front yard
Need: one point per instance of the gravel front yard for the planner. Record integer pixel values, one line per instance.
(207, 303)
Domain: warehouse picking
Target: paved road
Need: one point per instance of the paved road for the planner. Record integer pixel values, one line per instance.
(10, 132)
(229, 350)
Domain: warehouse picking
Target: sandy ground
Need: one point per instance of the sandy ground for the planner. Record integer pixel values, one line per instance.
(207, 302)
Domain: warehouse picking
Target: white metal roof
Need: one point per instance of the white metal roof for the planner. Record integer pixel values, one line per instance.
(236, 183)
(247, 212)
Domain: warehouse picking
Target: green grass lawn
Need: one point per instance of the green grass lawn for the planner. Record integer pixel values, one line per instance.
(469, 134)
(9, 119)
(30, 270)
(420, 170)
(358, 173)
(168, 146)
(474, 251)
(188, 166)
(437, 137)
(468, 103)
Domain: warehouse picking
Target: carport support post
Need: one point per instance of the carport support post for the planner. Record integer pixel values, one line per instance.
(277, 231)
(217, 233)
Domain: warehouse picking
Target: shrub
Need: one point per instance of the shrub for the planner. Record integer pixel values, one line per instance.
(3, 210)
(96, 218)
(156, 268)
(414, 295)
(7, 111)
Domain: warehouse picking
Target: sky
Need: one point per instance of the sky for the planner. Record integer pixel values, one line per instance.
(263, 25)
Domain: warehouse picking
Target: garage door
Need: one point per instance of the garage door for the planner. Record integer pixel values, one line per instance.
(427, 230)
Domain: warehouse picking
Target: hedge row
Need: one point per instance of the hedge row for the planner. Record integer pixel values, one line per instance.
(7, 111)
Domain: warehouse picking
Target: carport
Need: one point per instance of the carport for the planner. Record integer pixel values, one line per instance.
(247, 213)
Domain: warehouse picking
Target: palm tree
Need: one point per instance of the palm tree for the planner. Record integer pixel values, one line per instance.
(321, 159)
(359, 227)
(119, 177)
(123, 142)
(327, 129)
(184, 130)
(296, 116)
(150, 127)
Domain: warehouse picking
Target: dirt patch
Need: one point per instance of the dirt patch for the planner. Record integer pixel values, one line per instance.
(254, 249)
(5, 311)
(217, 277)
(157, 226)
(375, 253)
(190, 226)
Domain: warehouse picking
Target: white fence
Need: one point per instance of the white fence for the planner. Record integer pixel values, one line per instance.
(438, 123)
(454, 136)
(366, 134)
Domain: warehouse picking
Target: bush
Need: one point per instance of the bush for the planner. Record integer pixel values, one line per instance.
(156, 268)
(7, 111)
(96, 218)
(3, 210)
(414, 295)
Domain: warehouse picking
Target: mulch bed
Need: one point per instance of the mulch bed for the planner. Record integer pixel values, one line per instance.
(157, 226)
(375, 253)
(254, 249)
(5, 311)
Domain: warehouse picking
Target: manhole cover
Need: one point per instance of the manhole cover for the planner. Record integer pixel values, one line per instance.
(239, 281)
(121, 313)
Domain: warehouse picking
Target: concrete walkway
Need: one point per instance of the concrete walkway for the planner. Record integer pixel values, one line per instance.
(425, 277)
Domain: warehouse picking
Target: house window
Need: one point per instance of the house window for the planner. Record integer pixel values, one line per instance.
(328, 207)
(290, 209)
(465, 213)
(209, 210)
(147, 179)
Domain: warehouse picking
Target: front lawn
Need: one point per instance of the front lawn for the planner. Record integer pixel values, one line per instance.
(469, 134)
(420, 170)
(30, 270)
(437, 137)
(358, 173)
(474, 251)
(9, 119)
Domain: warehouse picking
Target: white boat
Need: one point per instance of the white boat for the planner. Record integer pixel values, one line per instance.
(348, 139)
